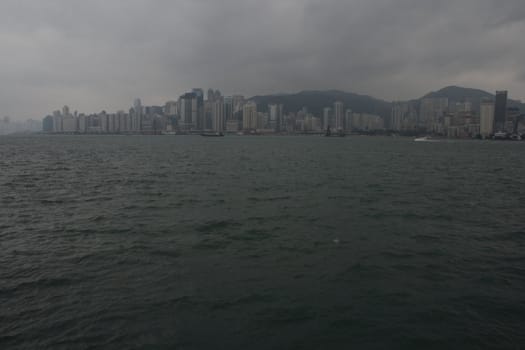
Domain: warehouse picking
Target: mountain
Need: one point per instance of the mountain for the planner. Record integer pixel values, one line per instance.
(456, 93)
(315, 101)
(475, 96)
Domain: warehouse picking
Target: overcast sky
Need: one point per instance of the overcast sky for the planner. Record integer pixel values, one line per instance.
(100, 54)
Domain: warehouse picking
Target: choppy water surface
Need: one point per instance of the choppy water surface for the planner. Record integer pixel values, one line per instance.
(260, 243)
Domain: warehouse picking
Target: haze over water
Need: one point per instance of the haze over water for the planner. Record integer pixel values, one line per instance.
(260, 243)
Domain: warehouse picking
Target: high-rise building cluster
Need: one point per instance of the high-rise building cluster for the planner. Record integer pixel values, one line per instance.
(437, 115)
(197, 112)
(190, 113)
(193, 113)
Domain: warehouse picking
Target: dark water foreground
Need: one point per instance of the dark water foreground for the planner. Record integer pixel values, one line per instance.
(261, 243)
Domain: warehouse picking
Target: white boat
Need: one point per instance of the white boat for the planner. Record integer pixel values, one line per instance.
(500, 135)
(423, 139)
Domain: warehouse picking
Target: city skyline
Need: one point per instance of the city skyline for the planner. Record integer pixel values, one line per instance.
(144, 102)
(97, 55)
(452, 112)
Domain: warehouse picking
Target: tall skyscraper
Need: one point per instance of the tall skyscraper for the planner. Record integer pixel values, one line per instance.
(199, 115)
(486, 118)
(65, 111)
(500, 111)
(238, 102)
(188, 111)
(47, 124)
(403, 117)
(211, 95)
(249, 116)
(232, 123)
(327, 118)
(431, 111)
(57, 121)
(276, 116)
(218, 122)
(348, 120)
(137, 115)
(137, 106)
(339, 115)
(228, 108)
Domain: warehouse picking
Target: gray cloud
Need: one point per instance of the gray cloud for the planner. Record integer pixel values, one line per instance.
(95, 55)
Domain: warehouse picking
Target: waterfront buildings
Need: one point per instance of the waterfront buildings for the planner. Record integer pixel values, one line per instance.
(404, 117)
(367, 122)
(431, 113)
(465, 118)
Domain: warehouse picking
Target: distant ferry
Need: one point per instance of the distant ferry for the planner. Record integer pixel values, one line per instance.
(212, 134)
(500, 135)
(423, 139)
(339, 133)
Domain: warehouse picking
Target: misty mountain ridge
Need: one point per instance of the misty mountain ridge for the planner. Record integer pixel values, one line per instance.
(316, 100)
(475, 96)
(457, 93)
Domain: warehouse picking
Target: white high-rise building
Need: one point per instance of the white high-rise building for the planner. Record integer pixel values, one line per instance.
(57, 121)
(238, 103)
(69, 124)
(327, 118)
(403, 117)
(486, 118)
(82, 123)
(431, 111)
(170, 109)
(249, 116)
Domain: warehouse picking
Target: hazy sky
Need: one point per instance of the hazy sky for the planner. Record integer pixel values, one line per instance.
(100, 54)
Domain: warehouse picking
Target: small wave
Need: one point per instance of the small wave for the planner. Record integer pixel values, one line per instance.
(290, 315)
(40, 283)
(253, 235)
(269, 199)
(209, 244)
(97, 218)
(166, 253)
(505, 236)
(426, 238)
(217, 225)
(98, 199)
(398, 255)
(52, 201)
(245, 300)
